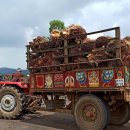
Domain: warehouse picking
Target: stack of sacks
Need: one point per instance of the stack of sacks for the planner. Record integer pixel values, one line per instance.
(35, 44)
(125, 51)
(55, 34)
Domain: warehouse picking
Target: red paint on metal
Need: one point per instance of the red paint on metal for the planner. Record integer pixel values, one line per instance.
(40, 81)
(32, 81)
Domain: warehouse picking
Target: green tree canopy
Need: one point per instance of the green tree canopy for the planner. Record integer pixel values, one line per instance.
(56, 24)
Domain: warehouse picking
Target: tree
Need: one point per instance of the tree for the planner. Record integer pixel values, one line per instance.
(56, 24)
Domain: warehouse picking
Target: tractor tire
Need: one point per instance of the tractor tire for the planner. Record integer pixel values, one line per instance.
(121, 115)
(11, 102)
(91, 113)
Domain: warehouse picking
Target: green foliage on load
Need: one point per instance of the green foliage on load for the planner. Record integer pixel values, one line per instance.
(56, 24)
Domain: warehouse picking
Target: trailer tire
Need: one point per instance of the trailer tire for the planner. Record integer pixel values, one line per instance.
(108, 112)
(121, 115)
(90, 113)
(11, 102)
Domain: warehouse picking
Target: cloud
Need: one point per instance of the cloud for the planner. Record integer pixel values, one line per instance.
(94, 36)
(17, 16)
(30, 33)
(13, 57)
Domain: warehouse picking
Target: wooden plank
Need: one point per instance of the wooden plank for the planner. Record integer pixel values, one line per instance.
(118, 50)
(65, 52)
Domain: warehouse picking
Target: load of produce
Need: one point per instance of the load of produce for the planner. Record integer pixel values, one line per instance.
(51, 54)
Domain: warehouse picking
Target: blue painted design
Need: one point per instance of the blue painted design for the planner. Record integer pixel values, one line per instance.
(107, 75)
(81, 77)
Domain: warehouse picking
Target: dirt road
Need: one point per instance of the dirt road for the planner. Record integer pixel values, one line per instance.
(47, 121)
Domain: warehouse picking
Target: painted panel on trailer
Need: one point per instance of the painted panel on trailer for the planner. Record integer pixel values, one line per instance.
(32, 81)
(70, 79)
(119, 78)
(48, 80)
(40, 81)
(81, 79)
(59, 80)
(107, 78)
(93, 78)
(127, 76)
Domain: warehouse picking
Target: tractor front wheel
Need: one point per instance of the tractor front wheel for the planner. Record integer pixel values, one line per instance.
(11, 102)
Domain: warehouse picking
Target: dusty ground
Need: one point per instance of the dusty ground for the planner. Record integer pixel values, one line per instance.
(47, 121)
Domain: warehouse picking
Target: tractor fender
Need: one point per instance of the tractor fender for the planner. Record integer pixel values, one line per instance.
(19, 85)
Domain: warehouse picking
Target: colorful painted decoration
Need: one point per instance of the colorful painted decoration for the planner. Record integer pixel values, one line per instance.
(108, 78)
(107, 75)
(119, 79)
(70, 79)
(48, 81)
(93, 78)
(81, 79)
(58, 80)
(32, 85)
(127, 75)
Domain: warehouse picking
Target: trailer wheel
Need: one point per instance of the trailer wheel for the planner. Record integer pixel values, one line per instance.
(108, 112)
(121, 115)
(91, 113)
(11, 102)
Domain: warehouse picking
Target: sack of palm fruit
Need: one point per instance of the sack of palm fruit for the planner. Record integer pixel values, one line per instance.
(102, 41)
(76, 30)
(57, 53)
(34, 46)
(88, 45)
(97, 56)
(91, 60)
(124, 48)
(42, 42)
(55, 34)
(91, 57)
(125, 52)
(41, 39)
(78, 59)
(44, 46)
(111, 44)
(75, 50)
(65, 33)
(127, 40)
(72, 31)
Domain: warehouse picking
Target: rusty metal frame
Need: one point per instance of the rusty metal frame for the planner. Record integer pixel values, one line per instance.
(66, 47)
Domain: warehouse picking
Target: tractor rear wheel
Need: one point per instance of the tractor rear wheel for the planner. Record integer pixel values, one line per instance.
(11, 102)
(91, 113)
(121, 115)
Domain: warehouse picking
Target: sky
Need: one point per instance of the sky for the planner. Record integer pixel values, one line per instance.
(20, 21)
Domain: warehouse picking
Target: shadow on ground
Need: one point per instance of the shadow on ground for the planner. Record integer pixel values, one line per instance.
(60, 121)
(53, 120)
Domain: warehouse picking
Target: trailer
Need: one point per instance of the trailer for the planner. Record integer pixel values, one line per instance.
(96, 95)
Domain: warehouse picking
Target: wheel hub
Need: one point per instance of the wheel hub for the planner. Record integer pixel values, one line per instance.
(8, 102)
(89, 113)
